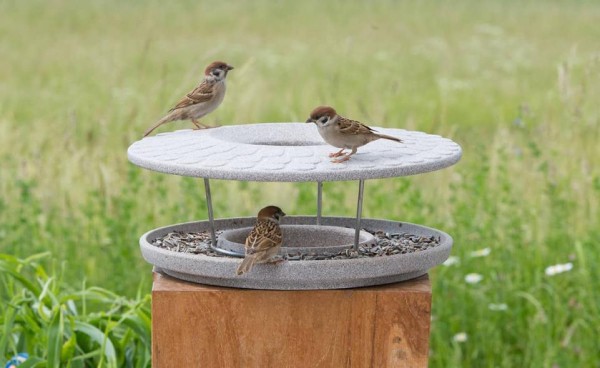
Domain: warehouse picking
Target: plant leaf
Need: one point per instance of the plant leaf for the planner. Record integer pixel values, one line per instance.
(55, 337)
(32, 362)
(100, 338)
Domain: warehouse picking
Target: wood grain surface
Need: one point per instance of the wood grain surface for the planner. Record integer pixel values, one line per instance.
(207, 326)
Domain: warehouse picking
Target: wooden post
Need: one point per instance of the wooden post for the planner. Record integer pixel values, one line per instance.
(207, 326)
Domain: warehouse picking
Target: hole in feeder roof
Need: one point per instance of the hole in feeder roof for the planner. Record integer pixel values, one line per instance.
(286, 143)
(279, 134)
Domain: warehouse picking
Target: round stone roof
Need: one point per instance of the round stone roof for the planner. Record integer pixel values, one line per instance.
(288, 152)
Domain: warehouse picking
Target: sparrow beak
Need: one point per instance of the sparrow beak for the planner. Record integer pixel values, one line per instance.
(229, 67)
(310, 120)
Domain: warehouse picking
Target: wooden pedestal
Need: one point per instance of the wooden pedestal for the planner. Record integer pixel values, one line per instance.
(206, 326)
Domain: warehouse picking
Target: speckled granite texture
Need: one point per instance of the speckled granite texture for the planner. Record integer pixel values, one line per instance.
(288, 152)
(298, 275)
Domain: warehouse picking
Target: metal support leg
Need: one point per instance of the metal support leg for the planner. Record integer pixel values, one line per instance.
(211, 220)
(319, 201)
(361, 188)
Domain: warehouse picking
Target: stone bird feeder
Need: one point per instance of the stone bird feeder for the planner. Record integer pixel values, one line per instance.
(385, 326)
(293, 152)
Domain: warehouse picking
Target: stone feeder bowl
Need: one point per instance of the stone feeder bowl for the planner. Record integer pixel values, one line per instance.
(322, 252)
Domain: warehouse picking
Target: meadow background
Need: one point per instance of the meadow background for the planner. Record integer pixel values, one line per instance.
(515, 83)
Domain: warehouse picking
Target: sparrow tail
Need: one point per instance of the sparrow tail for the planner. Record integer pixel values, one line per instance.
(246, 265)
(389, 137)
(165, 119)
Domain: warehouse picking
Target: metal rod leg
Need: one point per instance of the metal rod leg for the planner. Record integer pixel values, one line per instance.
(361, 188)
(319, 201)
(211, 218)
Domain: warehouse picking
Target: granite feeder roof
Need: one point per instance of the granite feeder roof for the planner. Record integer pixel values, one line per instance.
(288, 152)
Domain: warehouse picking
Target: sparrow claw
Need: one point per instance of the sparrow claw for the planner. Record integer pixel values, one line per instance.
(210, 126)
(340, 160)
(277, 260)
(202, 127)
(337, 154)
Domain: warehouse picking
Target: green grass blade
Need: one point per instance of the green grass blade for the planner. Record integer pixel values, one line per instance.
(55, 337)
(101, 339)
(5, 267)
(33, 362)
(36, 257)
(7, 321)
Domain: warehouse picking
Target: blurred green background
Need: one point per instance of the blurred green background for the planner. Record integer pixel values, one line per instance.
(515, 83)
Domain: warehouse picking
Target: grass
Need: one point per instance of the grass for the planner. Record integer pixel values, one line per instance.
(60, 326)
(515, 83)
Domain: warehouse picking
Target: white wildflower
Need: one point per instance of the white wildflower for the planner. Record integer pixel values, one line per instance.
(497, 307)
(473, 278)
(451, 260)
(481, 252)
(460, 337)
(558, 268)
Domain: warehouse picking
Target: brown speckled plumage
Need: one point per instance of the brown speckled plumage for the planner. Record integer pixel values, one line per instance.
(202, 100)
(343, 133)
(264, 241)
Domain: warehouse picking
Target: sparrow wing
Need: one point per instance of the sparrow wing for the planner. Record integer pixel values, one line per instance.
(202, 93)
(353, 127)
(264, 236)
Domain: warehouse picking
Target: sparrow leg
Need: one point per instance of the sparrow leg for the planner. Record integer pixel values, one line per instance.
(346, 157)
(277, 260)
(342, 159)
(337, 154)
(197, 124)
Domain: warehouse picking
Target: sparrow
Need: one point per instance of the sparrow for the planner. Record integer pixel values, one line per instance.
(343, 133)
(203, 99)
(264, 241)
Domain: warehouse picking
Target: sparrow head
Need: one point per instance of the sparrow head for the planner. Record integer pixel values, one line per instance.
(271, 213)
(322, 115)
(217, 69)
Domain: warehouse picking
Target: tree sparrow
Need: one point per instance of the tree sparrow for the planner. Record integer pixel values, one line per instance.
(201, 100)
(264, 241)
(343, 133)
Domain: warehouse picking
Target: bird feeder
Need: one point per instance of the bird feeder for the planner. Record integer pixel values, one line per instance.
(323, 252)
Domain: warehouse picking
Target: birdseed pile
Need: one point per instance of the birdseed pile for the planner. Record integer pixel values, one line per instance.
(386, 244)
